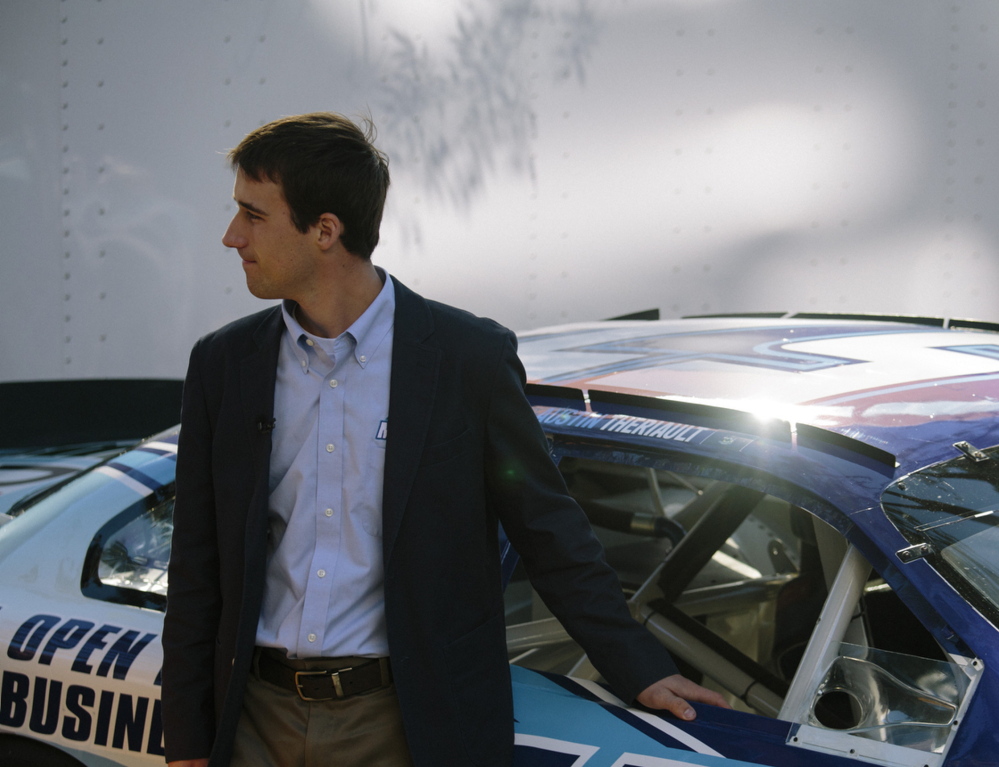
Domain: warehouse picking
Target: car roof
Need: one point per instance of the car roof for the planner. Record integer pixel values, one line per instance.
(831, 410)
(894, 384)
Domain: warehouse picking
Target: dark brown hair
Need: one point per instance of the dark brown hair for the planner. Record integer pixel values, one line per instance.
(324, 163)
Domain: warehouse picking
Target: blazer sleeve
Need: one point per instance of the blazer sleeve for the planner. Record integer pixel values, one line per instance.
(194, 598)
(562, 556)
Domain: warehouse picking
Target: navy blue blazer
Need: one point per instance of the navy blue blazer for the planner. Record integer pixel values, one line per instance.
(464, 453)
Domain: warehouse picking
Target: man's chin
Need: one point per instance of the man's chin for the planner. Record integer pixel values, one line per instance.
(258, 291)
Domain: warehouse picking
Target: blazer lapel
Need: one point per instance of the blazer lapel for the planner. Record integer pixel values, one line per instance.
(258, 374)
(257, 377)
(413, 388)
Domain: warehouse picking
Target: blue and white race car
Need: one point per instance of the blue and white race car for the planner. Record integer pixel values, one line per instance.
(801, 508)
(53, 430)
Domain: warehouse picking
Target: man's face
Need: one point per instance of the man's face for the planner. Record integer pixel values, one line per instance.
(279, 261)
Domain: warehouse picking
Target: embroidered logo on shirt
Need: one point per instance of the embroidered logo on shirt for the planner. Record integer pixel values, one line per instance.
(382, 430)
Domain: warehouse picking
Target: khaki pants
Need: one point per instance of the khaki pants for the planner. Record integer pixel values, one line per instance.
(279, 729)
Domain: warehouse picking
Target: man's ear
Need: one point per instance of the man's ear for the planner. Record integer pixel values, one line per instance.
(329, 229)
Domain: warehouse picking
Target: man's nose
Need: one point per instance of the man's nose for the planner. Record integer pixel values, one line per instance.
(232, 238)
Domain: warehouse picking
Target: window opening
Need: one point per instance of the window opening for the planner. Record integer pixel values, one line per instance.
(127, 559)
(733, 581)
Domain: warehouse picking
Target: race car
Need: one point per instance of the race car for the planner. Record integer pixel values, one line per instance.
(802, 508)
(55, 429)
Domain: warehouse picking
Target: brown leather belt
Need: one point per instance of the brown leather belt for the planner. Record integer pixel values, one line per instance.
(318, 684)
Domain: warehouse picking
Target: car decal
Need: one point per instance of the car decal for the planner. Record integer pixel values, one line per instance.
(537, 751)
(636, 716)
(81, 714)
(889, 381)
(979, 350)
(583, 724)
(130, 477)
(67, 635)
(73, 708)
(644, 430)
(668, 431)
(159, 448)
(910, 404)
(540, 751)
(753, 347)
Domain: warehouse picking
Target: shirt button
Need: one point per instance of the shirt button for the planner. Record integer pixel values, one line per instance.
(321, 573)
(310, 342)
(334, 383)
(329, 512)
(330, 448)
(312, 637)
(362, 358)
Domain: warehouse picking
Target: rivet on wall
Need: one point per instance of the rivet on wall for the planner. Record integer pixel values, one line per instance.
(67, 253)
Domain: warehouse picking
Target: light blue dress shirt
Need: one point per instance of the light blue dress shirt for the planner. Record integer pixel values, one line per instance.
(324, 591)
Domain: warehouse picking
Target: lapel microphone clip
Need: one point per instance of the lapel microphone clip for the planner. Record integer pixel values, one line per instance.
(265, 425)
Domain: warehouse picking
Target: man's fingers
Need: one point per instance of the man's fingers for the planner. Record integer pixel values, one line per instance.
(683, 687)
(673, 693)
(703, 695)
(679, 707)
(660, 696)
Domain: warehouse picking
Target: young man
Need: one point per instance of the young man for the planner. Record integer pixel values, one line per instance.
(345, 460)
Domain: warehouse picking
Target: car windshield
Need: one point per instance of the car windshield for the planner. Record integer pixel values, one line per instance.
(948, 514)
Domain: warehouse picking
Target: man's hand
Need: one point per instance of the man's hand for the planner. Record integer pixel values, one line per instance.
(672, 694)
(189, 763)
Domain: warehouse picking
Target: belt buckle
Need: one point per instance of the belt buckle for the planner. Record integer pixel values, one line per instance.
(334, 677)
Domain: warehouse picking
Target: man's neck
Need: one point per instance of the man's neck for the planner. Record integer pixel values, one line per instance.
(337, 301)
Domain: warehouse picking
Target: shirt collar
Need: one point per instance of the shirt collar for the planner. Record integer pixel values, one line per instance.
(370, 329)
(365, 334)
